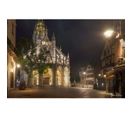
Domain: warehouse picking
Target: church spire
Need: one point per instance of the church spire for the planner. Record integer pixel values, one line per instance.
(40, 32)
(68, 56)
(68, 59)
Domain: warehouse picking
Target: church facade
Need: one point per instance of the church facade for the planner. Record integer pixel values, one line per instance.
(58, 71)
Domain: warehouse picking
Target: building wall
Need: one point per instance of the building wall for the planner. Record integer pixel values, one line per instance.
(11, 71)
(11, 56)
(87, 77)
(113, 52)
(11, 31)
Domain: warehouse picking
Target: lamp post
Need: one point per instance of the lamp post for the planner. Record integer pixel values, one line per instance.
(18, 77)
(106, 82)
(84, 77)
(99, 80)
(108, 33)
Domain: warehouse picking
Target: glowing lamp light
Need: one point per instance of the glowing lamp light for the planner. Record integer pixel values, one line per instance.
(84, 73)
(108, 33)
(50, 83)
(99, 75)
(18, 65)
(104, 76)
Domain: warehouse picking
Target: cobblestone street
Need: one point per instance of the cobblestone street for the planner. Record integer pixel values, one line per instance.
(51, 92)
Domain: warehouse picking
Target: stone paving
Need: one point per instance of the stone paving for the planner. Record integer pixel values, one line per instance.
(57, 92)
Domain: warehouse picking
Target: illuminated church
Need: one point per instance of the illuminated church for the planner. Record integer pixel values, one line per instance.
(58, 74)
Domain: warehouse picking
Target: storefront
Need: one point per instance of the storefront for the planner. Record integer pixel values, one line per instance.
(119, 83)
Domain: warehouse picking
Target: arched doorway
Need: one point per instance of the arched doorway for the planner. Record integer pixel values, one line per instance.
(47, 77)
(66, 77)
(35, 78)
(59, 76)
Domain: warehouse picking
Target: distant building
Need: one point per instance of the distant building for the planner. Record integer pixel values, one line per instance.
(11, 56)
(58, 74)
(113, 60)
(86, 75)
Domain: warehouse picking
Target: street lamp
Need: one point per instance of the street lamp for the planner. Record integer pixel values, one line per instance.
(84, 73)
(99, 75)
(106, 82)
(108, 33)
(18, 66)
(18, 70)
(84, 78)
(104, 76)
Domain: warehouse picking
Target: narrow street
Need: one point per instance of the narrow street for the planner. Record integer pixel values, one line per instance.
(50, 92)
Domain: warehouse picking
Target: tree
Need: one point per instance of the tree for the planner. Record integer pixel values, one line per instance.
(34, 59)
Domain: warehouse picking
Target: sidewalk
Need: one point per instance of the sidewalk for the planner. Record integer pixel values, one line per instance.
(105, 93)
(111, 94)
(118, 95)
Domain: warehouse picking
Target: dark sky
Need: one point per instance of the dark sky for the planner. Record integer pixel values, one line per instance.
(82, 39)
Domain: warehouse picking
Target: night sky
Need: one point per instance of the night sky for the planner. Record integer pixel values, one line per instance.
(82, 39)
